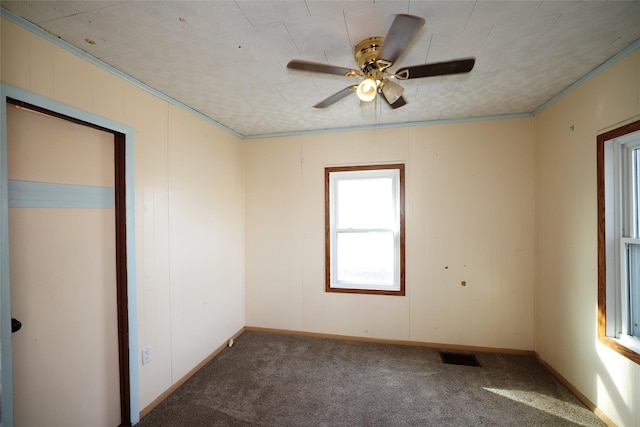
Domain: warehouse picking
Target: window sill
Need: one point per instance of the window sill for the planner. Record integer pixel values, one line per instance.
(629, 342)
(371, 291)
(626, 346)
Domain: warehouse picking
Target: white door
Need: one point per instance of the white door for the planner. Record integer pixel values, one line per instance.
(62, 272)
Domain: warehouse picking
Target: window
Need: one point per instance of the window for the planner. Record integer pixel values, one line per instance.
(364, 229)
(619, 240)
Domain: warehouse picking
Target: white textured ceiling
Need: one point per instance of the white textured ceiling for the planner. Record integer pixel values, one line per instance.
(227, 59)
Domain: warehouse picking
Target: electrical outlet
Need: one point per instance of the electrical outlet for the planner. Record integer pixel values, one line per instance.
(146, 355)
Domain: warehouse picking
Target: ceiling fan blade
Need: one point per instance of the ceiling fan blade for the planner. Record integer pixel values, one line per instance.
(436, 69)
(335, 97)
(318, 67)
(402, 30)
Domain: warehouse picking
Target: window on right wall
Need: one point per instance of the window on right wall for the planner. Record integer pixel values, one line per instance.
(618, 163)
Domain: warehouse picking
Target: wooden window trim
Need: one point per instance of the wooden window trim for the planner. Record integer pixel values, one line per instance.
(602, 276)
(327, 222)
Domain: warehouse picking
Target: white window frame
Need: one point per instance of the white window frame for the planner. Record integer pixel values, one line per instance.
(619, 222)
(333, 175)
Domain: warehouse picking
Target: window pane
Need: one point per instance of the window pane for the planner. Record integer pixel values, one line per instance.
(365, 258)
(365, 203)
(634, 289)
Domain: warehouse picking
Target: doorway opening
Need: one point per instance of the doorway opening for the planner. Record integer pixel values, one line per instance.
(11, 97)
(119, 202)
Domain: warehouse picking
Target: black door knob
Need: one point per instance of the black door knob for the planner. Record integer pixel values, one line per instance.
(15, 325)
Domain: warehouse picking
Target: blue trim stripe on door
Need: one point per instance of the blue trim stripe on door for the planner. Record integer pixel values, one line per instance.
(31, 194)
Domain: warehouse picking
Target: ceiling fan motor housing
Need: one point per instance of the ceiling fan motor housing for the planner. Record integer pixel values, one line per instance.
(365, 53)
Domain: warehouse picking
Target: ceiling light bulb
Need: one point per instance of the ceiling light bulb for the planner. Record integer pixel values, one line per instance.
(367, 90)
(392, 91)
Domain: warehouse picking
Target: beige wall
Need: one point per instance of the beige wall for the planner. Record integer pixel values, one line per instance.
(566, 218)
(189, 206)
(469, 216)
(567, 266)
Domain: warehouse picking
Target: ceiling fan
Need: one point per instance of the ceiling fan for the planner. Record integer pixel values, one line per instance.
(374, 56)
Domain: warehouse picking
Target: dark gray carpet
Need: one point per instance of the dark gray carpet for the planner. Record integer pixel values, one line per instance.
(281, 380)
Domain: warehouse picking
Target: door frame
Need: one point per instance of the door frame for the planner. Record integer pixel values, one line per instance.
(124, 140)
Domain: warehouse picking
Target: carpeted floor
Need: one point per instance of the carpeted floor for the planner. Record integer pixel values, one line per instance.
(269, 379)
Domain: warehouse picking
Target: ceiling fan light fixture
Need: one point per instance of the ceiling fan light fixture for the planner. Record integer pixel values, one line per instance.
(375, 56)
(367, 90)
(392, 91)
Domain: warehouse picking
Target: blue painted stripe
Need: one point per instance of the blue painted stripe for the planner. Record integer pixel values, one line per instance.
(31, 194)
(132, 293)
(393, 125)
